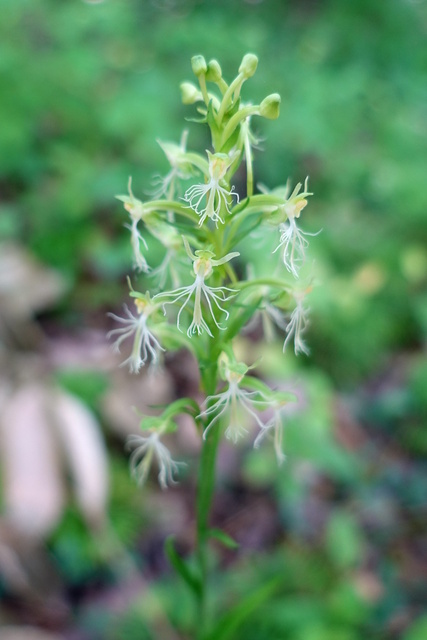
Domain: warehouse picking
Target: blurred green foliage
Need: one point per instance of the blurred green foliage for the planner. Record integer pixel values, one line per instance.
(86, 88)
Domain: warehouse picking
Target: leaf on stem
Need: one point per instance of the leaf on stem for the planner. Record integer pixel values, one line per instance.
(224, 538)
(232, 620)
(181, 567)
(239, 316)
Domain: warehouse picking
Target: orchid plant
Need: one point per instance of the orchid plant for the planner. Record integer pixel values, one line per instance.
(201, 219)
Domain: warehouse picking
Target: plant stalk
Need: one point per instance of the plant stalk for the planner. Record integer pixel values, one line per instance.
(205, 492)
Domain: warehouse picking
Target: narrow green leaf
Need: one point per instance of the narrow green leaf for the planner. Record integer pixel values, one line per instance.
(210, 118)
(183, 405)
(231, 621)
(202, 120)
(181, 567)
(231, 141)
(239, 319)
(240, 206)
(246, 231)
(266, 391)
(173, 339)
(224, 538)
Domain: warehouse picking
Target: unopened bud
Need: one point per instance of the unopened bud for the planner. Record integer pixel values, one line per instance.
(214, 73)
(189, 93)
(270, 107)
(199, 66)
(249, 65)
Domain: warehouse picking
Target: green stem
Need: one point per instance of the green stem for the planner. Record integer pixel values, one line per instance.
(275, 283)
(198, 161)
(206, 481)
(227, 99)
(243, 113)
(203, 89)
(207, 467)
(222, 85)
(205, 492)
(172, 205)
(249, 168)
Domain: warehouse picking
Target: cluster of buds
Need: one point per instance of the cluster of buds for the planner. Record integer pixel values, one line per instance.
(197, 214)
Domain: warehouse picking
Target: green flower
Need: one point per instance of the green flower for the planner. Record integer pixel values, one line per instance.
(203, 264)
(145, 344)
(217, 196)
(147, 448)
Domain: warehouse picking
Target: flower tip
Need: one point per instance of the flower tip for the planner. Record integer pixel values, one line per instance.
(199, 66)
(270, 107)
(214, 73)
(281, 459)
(189, 93)
(248, 65)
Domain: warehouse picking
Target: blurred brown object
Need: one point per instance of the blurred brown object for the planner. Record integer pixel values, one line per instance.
(41, 428)
(26, 288)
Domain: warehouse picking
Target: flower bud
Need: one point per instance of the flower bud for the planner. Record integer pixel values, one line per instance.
(214, 73)
(199, 66)
(189, 93)
(249, 65)
(270, 107)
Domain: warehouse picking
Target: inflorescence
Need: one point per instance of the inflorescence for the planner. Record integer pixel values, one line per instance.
(198, 215)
